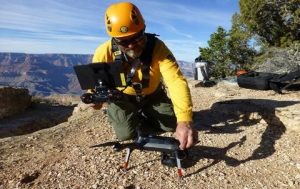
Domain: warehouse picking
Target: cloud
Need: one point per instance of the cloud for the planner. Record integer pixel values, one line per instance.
(46, 46)
(49, 16)
(186, 50)
(178, 20)
(174, 30)
(78, 26)
(49, 26)
(163, 12)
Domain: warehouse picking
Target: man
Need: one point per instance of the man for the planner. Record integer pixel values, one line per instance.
(147, 61)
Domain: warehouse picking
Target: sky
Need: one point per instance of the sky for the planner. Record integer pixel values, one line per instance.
(77, 26)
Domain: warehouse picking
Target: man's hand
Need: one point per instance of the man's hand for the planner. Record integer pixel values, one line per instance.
(87, 98)
(186, 135)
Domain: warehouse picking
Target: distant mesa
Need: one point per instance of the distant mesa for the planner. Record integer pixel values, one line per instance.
(41, 74)
(46, 74)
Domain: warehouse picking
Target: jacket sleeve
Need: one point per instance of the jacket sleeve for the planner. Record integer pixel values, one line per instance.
(103, 53)
(175, 82)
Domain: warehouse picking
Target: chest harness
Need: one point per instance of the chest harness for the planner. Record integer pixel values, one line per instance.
(144, 61)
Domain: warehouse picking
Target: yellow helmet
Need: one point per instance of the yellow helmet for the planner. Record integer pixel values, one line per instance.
(123, 19)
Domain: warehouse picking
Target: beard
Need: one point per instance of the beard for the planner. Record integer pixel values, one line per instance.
(135, 51)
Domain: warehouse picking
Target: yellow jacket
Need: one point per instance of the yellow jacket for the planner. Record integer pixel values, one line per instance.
(163, 66)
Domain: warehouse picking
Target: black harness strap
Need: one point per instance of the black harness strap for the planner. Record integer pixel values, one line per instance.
(145, 58)
(119, 56)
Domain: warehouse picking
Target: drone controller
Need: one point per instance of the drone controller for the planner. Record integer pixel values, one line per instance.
(103, 78)
(102, 94)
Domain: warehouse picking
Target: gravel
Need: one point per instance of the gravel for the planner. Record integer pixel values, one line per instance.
(237, 149)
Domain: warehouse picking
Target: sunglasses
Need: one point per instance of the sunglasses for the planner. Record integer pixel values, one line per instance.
(130, 41)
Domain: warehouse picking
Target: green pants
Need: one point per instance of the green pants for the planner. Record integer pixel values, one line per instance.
(158, 115)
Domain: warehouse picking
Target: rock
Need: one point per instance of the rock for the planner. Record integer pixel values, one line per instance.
(13, 101)
(29, 177)
(281, 60)
(95, 186)
(63, 99)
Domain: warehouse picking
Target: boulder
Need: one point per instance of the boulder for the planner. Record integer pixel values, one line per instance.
(281, 60)
(13, 101)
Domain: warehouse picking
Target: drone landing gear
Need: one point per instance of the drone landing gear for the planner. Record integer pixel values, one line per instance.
(170, 160)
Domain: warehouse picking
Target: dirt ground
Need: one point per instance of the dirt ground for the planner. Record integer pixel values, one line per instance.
(243, 144)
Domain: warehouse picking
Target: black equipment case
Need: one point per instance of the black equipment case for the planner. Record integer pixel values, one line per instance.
(255, 80)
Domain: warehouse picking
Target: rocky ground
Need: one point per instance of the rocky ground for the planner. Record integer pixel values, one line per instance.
(248, 139)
